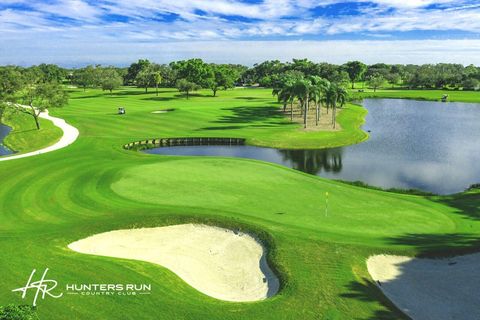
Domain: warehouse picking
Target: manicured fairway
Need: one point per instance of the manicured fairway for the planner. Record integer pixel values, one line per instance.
(94, 186)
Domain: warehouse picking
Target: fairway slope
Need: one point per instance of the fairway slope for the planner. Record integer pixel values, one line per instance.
(430, 289)
(70, 134)
(217, 262)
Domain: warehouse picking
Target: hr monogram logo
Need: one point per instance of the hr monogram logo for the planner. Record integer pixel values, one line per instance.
(43, 286)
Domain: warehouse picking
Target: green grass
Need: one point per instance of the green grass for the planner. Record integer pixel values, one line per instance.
(453, 96)
(94, 186)
(25, 137)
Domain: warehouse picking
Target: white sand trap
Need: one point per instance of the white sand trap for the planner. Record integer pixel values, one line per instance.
(436, 289)
(215, 261)
(163, 111)
(70, 134)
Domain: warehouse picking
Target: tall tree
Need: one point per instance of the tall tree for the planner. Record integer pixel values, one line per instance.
(37, 97)
(11, 81)
(51, 73)
(185, 86)
(224, 77)
(157, 79)
(193, 70)
(355, 70)
(375, 81)
(301, 90)
(144, 79)
(334, 95)
(134, 70)
(84, 77)
(110, 79)
(319, 86)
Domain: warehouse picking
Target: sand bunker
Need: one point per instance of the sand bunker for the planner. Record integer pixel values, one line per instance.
(437, 289)
(218, 262)
(163, 111)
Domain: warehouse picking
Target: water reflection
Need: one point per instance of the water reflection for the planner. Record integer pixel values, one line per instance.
(4, 131)
(314, 161)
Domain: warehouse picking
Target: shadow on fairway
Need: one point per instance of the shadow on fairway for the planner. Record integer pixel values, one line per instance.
(160, 98)
(89, 97)
(251, 114)
(237, 127)
(368, 292)
(251, 98)
(467, 205)
(439, 245)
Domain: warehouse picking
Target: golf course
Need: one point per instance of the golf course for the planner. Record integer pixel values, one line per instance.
(317, 233)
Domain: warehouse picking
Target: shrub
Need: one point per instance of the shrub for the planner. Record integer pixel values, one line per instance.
(18, 312)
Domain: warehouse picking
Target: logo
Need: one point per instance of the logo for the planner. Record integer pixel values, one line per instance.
(43, 286)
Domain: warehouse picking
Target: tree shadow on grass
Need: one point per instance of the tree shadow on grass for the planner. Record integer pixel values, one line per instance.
(92, 96)
(251, 98)
(367, 291)
(439, 245)
(251, 114)
(426, 246)
(466, 204)
(237, 127)
(160, 98)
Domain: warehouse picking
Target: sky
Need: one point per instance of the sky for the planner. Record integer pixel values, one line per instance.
(79, 32)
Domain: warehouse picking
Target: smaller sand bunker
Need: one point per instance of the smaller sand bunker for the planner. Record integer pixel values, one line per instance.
(436, 289)
(163, 111)
(218, 262)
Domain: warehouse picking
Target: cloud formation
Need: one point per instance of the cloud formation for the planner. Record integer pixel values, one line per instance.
(67, 22)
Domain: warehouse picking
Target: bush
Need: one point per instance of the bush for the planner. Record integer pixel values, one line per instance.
(470, 84)
(14, 312)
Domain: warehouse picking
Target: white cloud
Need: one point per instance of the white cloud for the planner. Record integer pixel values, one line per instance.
(205, 20)
(71, 52)
(73, 9)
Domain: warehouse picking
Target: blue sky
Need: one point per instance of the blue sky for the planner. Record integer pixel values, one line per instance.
(75, 32)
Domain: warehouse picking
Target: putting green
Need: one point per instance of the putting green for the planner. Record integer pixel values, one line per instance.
(287, 197)
(94, 186)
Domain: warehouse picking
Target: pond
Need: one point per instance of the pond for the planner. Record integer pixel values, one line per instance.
(4, 131)
(424, 145)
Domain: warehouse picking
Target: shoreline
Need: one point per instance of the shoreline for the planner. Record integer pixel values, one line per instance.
(70, 135)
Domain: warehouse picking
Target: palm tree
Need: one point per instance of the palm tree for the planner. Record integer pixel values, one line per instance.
(342, 95)
(284, 93)
(319, 86)
(333, 95)
(301, 90)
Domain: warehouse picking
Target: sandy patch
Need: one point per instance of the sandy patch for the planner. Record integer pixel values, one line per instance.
(324, 123)
(162, 111)
(70, 134)
(215, 261)
(436, 289)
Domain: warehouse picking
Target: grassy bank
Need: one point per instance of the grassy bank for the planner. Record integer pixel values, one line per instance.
(432, 95)
(25, 137)
(95, 186)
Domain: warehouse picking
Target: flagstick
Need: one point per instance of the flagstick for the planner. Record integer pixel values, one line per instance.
(326, 204)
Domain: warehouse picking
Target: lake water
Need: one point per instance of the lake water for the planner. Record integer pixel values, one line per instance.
(4, 131)
(430, 146)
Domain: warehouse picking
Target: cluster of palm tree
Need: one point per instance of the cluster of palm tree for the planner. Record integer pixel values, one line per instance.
(310, 91)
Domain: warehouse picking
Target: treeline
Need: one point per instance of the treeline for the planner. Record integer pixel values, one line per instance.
(186, 75)
(195, 73)
(428, 76)
(192, 74)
